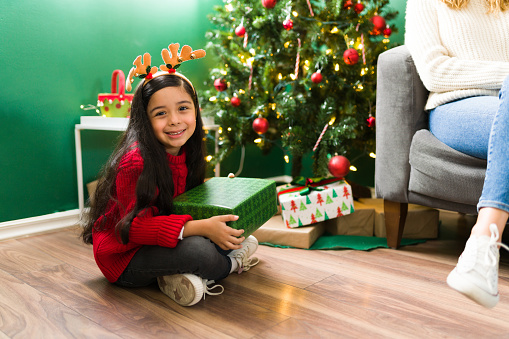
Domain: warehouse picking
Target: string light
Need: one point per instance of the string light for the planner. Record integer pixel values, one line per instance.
(258, 140)
(292, 76)
(353, 168)
(252, 51)
(208, 158)
(280, 76)
(229, 7)
(229, 129)
(287, 159)
(373, 155)
(212, 99)
(336, 67)
(295, 14)
(334, 30)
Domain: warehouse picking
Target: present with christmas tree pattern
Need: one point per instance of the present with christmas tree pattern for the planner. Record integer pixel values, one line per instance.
(308, 201)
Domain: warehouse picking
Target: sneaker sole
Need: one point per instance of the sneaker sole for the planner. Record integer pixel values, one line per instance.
(461, 284)
(184, 289)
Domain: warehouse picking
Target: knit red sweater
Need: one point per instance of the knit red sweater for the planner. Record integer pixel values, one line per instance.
(147, 228)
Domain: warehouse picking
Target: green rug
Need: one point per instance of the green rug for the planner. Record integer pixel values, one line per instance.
(336, 242)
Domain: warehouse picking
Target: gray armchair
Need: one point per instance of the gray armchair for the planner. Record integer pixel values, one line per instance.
(412, 166)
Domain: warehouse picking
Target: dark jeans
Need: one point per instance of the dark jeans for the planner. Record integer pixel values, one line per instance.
(197, 255)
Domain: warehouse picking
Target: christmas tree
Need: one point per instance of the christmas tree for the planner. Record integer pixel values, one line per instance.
(300, 75)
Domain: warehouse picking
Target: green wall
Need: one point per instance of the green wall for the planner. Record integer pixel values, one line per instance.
(58, 55)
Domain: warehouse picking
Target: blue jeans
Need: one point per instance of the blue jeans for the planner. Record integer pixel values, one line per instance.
(197, 255)
(479, 126)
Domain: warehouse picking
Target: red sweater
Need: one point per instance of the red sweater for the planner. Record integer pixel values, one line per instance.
(147, 228)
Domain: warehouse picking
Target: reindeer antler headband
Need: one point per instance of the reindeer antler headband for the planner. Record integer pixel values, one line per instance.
(172, 60)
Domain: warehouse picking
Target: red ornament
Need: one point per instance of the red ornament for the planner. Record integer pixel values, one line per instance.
(378, 22)
(339, 166)
(387, 31)
(351, 56)
(348, 4)
(269, 3)
(240, 31)
(359, 7)
(260, 125)
(288, 24)
(220, 85)
(235, 101)
(371, 121)
(316, 77)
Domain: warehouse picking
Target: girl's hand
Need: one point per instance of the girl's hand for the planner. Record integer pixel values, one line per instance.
(223, 235)
(215, 229)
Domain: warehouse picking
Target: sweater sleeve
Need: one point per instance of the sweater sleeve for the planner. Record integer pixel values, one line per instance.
(147, 228)
(439, 71)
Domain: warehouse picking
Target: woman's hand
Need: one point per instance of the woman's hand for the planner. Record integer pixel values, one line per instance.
(215, 229)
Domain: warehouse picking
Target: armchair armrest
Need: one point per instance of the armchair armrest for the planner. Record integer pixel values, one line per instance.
(400, 101)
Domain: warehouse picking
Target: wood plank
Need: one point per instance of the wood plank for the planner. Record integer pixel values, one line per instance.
(51, 287)
(113, 308)
(226, 313)
(321, 313)
(27, 313)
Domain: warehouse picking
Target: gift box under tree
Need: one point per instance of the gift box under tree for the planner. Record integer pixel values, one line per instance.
(253, 200)
(308, 201)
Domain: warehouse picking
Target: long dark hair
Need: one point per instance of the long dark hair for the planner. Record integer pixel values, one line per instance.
(156, 175)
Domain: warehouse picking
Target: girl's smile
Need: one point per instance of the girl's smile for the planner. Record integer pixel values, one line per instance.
(172, 114)
(175, 134)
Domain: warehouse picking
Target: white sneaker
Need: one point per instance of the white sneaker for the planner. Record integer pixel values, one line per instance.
(476, 274)
(186, 289)
(243, 255)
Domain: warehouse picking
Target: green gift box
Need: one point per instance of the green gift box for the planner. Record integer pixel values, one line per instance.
(253, 200)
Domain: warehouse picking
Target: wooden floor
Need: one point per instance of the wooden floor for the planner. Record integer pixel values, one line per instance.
(50, 287)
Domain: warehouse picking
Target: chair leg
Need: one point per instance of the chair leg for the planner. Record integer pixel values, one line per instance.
(395, 217)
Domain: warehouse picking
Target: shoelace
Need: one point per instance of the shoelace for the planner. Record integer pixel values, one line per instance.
(491, 256)
(208, 290)
(248, 263)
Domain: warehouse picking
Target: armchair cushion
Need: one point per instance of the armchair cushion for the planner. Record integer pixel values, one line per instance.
(438, 171)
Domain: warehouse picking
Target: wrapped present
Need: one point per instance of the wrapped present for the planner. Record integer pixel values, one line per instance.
(253, 200)
(308, 201)
(117, 103)
(421, 222)
(360, 223)
(275, 232)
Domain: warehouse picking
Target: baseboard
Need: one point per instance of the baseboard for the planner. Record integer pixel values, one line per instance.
(40, 224)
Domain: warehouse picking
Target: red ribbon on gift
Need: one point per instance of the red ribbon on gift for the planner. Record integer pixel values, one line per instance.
(305, 185)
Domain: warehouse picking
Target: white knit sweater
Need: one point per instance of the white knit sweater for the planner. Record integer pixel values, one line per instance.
(458, 53)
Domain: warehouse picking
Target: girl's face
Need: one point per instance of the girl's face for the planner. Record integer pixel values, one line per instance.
(172, 113)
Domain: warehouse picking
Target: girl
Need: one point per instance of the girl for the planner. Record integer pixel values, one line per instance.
(136, 238)
(461, 51)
